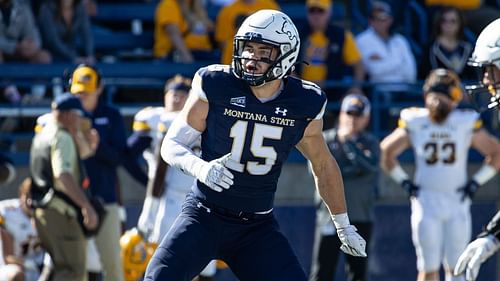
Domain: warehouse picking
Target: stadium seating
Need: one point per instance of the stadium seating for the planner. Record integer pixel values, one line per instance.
(124, 12)
(129, 67)
(133, 68)
(122, 41)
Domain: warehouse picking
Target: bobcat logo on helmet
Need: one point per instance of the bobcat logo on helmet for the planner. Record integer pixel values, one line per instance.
(285, 29)
(135, 254)
(273, 28)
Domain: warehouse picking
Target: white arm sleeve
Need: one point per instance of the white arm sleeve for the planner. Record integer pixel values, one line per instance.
(176, 151)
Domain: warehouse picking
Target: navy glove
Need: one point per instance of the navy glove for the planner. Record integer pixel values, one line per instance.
(410, 188)
(469, 189)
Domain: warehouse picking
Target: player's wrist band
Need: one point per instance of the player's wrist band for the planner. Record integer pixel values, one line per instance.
(484, 174)
(340, 220)
(398, 174)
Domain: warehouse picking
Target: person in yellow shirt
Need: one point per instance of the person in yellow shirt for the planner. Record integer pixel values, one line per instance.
(229, 20)
(178, 39)
(328, 49)
(459, 4)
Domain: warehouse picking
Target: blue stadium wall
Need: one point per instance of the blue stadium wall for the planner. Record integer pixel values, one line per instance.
(392, 255)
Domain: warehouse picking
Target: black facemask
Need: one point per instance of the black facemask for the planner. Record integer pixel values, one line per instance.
(485, 97)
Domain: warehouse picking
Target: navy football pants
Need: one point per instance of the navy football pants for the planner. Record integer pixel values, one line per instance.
(254, 249)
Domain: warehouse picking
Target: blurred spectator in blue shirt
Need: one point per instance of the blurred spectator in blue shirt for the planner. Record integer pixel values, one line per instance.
(65, 25)
(19, 37)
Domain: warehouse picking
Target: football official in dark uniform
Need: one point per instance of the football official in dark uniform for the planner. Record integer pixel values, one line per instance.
(249, 116)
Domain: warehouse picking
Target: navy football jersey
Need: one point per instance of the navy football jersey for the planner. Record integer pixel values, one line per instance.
(259, 135)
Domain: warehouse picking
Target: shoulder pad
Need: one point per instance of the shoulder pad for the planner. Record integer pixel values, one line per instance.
(147, 112)
(310, 86)
(310, 95)
(408, 116)
(166, 120)
(162, 128)
(42, 121)
(467, 113)
(8, 204)
(413, 112)
(208, 81)
(219, 68)
(466, 117)
(213, 69)
(143, 118)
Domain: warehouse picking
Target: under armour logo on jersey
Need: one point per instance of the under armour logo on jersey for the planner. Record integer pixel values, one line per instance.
(281, 111)
(239, 101)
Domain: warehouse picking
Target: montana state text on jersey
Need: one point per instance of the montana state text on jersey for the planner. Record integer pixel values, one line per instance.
(262, 133)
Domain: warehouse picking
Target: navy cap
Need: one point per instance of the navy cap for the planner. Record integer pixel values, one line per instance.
(381, 9)
(66, 102)
(356, 104)
(178, 86)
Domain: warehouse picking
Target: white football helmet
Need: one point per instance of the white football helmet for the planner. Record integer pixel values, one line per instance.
(486, 56)
(268, 27)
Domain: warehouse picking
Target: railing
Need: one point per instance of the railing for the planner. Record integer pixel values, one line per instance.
(387, 99)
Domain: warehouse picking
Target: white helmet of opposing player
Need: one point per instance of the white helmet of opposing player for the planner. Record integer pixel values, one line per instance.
(487, 50)
(267, 27)
(486, 56)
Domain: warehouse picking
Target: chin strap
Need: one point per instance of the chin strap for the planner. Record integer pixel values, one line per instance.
(299, 62)
(292, 69)
(493, 92)
(495, 98)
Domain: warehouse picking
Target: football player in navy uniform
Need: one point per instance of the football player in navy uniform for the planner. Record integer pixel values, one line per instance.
(486, 56)
(250, 115)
